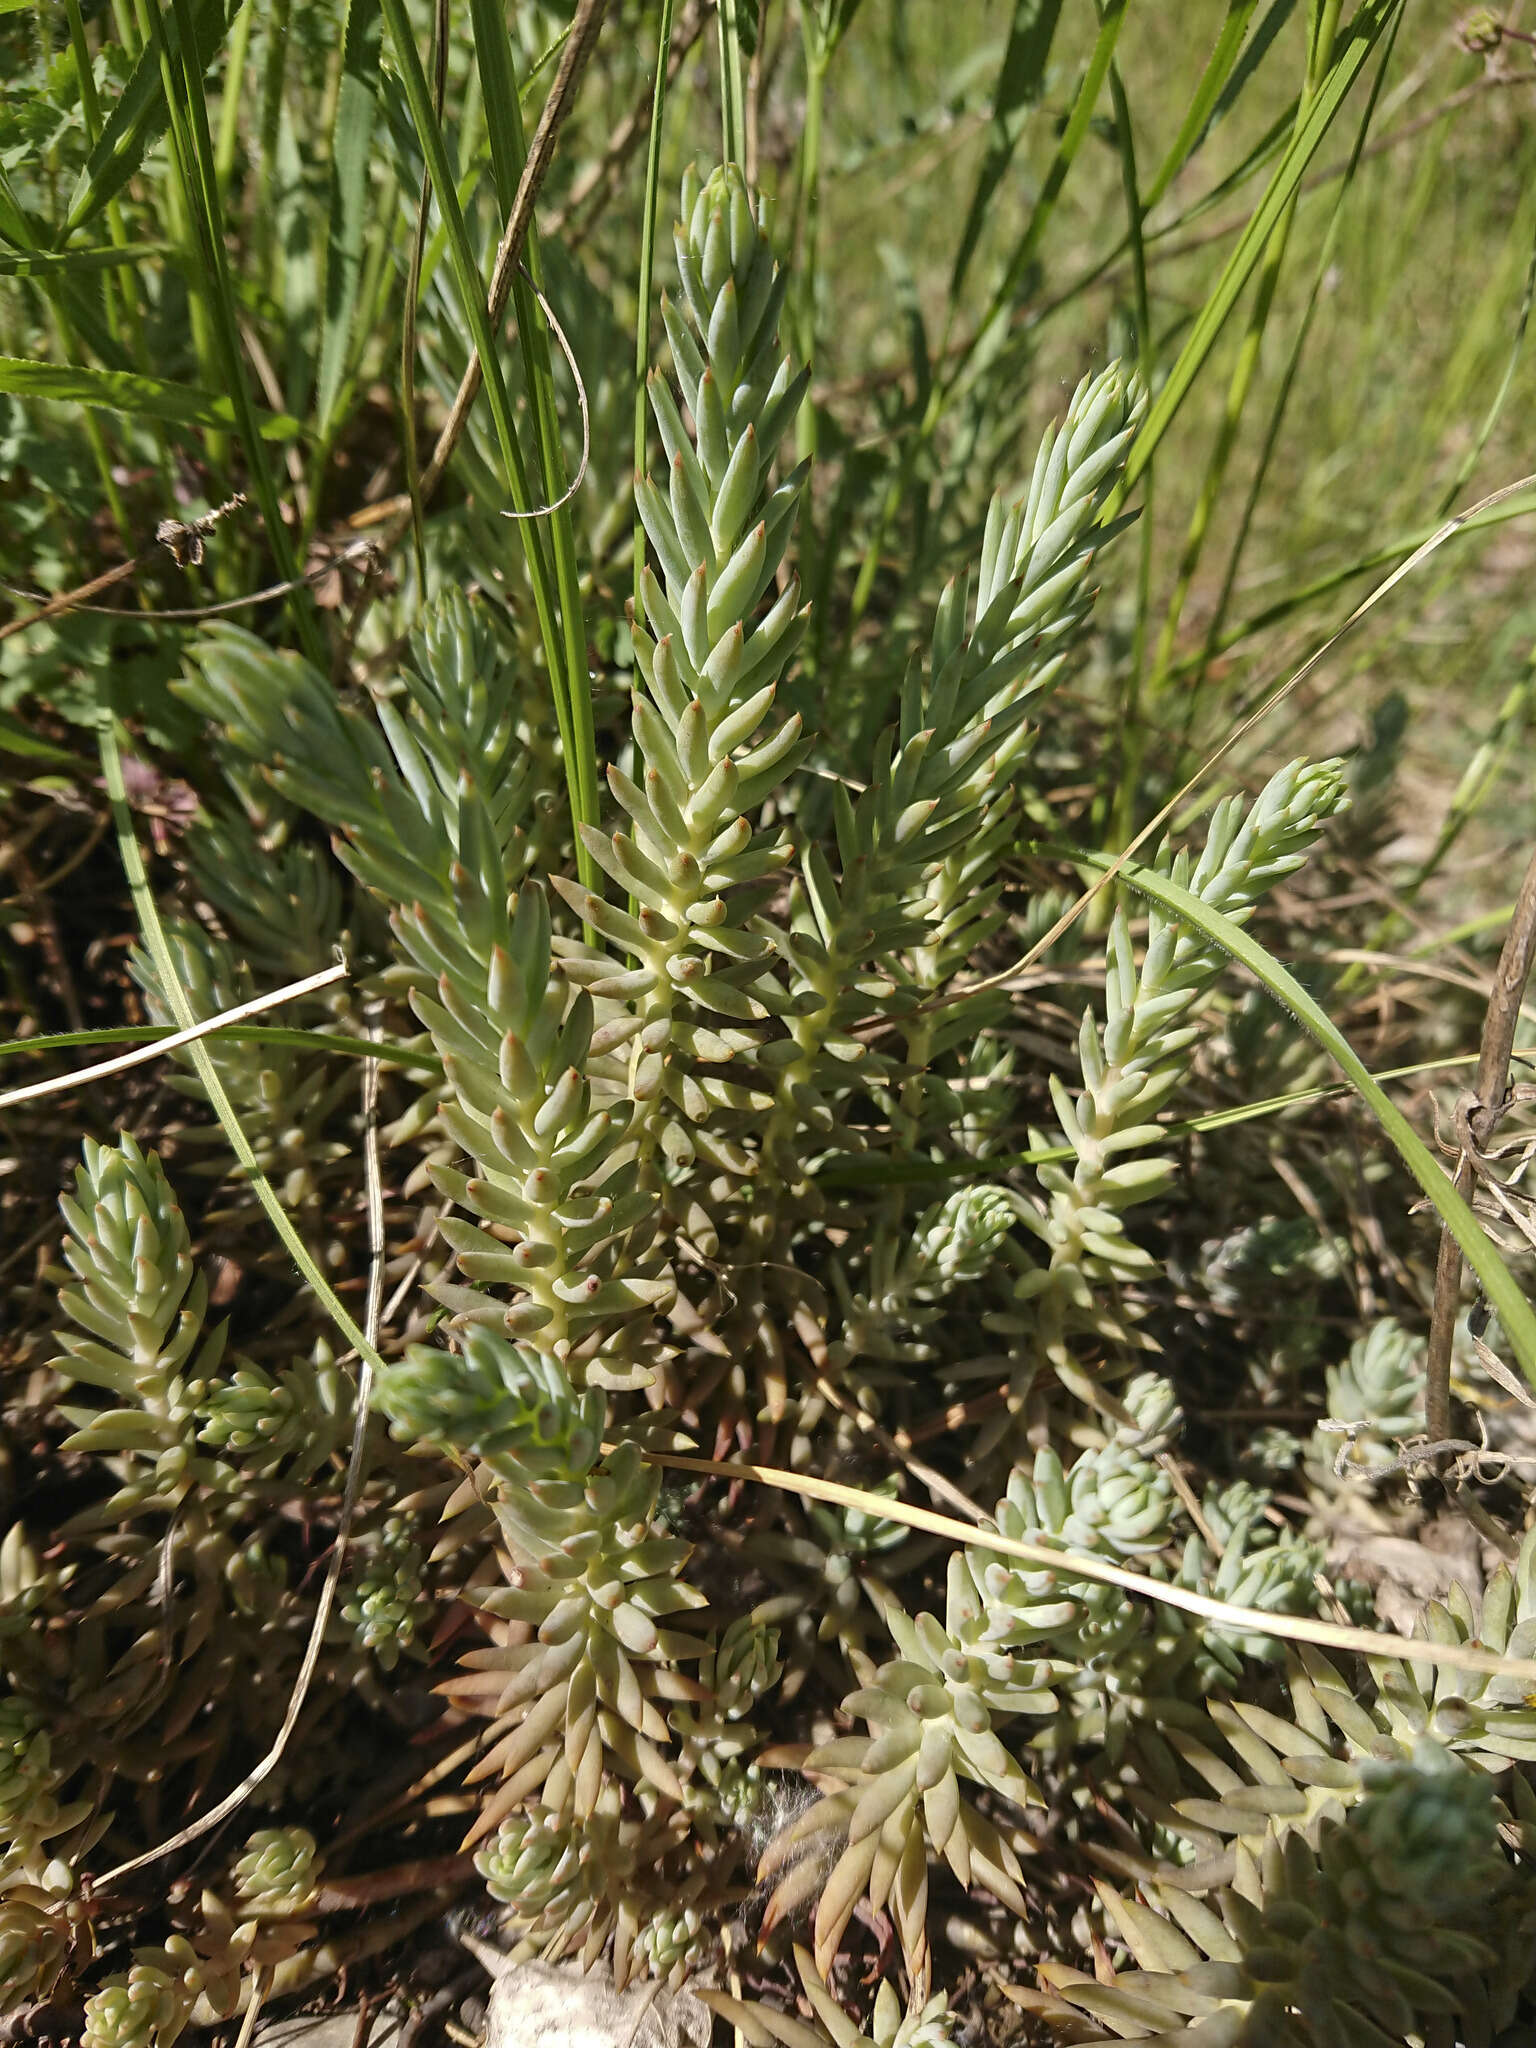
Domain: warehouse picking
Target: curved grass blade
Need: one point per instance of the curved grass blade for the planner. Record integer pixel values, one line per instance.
(1296, 1628)
(1482, 1255)
(159, 951)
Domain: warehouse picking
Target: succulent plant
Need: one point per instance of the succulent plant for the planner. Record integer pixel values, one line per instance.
(1377, 1398)
(144, 2009)
(276, 1876)
(385, 1608)
(502, 1402)
(1156, 1418)
(1361, 1937)
(1020, 1606)
(672, 1945)
(571, 1889)
(1130, 1067)
(530, 1864)
(32, 1953)
(31, 1816)
(664, 1041)
(931, 1713)
(594, 1589)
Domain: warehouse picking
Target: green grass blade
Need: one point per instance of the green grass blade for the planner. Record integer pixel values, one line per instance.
(45, 264)
(1279, 13)
(351, 143)
(125, 391)
(497, 65)
(651, 208)
(1074, 135)
(19, 739)
(165, 968)
(1482, 1255)
(142, 114)
(733, 97)
(1320, 273)
(1020, 82)
(192, 154)
(1244, 371)
(1354, 48)
(232, 97)
(1202, 103)
(298, 1040)
(1123, 799)
(472, 307)
(509, 150)
(1484, 434)
(15, 227)
(1518, 506)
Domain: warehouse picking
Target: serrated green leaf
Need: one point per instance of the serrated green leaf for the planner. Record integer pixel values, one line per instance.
(125, 391)
(141, 114)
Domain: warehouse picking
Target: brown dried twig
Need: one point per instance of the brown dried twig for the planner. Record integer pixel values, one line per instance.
(591, 192)
(1489, 1095)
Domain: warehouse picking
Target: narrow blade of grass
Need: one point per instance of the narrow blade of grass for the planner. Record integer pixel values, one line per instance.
(509, 151)
(75, 262)
(159, 951)
(293, 1036)
(1020, 82)
(1320, 273)
(1253, 56)
(1074, 135)
(1484, 434)
(1202, 102)
(651, 207)
(1355, 46)
(351, 143)
(18, 739)
(192, 155)
(860, 1170)
(472, 308)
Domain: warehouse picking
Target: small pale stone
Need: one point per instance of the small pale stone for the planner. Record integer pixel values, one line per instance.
(546, 2005)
